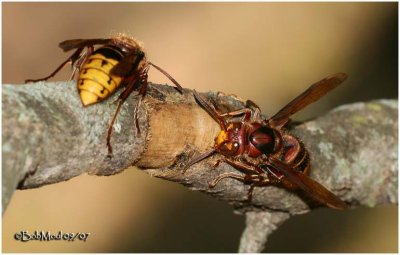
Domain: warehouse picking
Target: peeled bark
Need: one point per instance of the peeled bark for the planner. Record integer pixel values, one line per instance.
(49, 137)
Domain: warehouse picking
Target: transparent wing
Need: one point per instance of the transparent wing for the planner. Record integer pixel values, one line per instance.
(312, 94)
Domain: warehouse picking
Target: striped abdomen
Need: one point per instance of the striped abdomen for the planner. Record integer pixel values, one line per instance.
(95, 82)
(295, 154)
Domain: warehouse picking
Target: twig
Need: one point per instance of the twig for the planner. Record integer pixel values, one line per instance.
(49, 137)
(259, 225)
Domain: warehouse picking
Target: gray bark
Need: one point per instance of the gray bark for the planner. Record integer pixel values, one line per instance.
(49, 137)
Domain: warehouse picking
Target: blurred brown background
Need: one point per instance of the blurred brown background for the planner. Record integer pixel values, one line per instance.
(268, 52)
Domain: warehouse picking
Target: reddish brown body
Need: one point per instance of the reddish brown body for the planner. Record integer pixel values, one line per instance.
(263, 149)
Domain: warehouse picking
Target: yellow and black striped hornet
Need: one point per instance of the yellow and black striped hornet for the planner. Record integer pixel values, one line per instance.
(264, 151)
(120, 61)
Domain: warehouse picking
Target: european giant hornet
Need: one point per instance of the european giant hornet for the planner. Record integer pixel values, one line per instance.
(263, 149)
(119, 62)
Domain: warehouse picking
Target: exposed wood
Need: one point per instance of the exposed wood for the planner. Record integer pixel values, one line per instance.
(49, 137)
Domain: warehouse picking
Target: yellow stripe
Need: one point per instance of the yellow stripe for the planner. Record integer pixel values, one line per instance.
(92, 71)
(102, 57)
(94, 88)
(98, 63)
(96, 80)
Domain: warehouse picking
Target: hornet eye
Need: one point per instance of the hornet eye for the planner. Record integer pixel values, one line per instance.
(229, 148)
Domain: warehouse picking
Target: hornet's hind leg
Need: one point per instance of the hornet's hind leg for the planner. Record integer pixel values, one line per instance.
(133, 84)
(74, 57)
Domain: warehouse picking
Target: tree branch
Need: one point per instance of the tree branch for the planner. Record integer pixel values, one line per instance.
(49, 137)
(259, 225)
